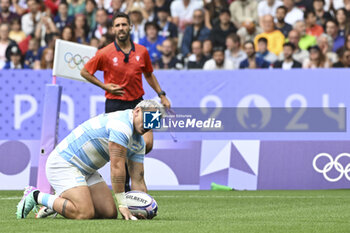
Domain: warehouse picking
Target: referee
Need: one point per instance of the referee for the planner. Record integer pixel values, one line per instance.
(123, 64)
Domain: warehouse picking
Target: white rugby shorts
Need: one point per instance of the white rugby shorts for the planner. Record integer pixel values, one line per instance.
(63, 175)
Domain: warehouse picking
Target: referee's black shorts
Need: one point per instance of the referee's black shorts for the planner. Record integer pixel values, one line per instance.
(113, 105)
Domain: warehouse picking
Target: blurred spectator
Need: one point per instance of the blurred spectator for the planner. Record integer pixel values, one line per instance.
(44, 27)
(305, 40)
(168, 59)
(252, 61)
(75, 7)
(46, 61)
(312, 28)
(182, 12)
(288, 62)
(167, 28)
(293, 13)
(81, 29)
(51, 7)
(101, 23)
(134, 3)
(16, 32)
(62, 19)
(6, 16)
(344, 58)
(196, 31)
(105, 40)
(5, 43)
(212, 11)
(268, 7)
(332, 29)
(32, 18)
(298, 55)
(316, 59)
(197, 59)
(50, 41)
(342, 20)
(325, 42)
(284, 27)
(149, 11)
(321, 15)
(334, 5)
(233, 50)
(263, 52)
(90, 13)
(94, 42)
(304, 5)
(32, 53)
(248, 31)
(112, 6)
(274, 37)
(138, 24)
(152, 41)
(162, 4)
(347, 42)
(15, 61)
(207, 49)
(222, 29)
(241, 10)
(218, 61)
(19, 7)
(68, 34)
(116, 6)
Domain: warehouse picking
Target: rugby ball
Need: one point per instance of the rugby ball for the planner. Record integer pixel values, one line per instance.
(141, 203)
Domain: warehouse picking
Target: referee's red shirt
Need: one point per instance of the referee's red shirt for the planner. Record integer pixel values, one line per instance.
(110, 60)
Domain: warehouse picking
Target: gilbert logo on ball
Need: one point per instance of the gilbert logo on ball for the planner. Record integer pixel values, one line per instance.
(151, 119)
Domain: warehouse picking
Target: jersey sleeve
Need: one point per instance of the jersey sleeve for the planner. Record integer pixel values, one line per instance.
(119, 132)
(148, 63)
(95, 63)
(139, 155)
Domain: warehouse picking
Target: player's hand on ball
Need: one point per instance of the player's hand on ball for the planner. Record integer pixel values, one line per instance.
(125, 212)
(140, 216)
(114, 89)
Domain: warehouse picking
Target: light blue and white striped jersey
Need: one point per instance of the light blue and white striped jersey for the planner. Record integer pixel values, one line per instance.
(86, 146)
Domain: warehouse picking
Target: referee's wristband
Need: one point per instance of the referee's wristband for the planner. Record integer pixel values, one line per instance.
(121, 199)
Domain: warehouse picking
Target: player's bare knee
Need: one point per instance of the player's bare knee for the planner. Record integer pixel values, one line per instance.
(86, 215)
(110, 214)
(149, 147)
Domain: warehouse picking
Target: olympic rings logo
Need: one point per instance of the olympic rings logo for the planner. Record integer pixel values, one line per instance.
(333, 163)
(75, 61)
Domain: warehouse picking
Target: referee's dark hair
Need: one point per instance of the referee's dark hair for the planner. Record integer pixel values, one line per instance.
(120, 15)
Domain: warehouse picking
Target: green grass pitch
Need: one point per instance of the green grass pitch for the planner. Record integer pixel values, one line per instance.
(207, 211)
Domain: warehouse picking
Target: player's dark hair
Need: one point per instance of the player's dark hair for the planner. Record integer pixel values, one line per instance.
(333, 21)
(219, 49)
(120, 15)
(262, 39)
(289, 44)
(64, 3)
(306, 13)
(249, 42)
(234, 37)
(151, 24)
(323, 1)
(283, 8)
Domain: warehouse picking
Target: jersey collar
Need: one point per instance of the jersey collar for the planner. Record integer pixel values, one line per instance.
(119, 49)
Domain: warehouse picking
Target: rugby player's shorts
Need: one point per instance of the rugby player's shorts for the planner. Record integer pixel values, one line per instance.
(63, 175)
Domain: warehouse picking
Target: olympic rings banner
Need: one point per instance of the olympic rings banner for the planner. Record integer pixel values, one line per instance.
(70, 58)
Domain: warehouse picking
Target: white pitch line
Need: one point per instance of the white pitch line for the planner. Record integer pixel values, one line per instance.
(11, 198)
(237, 197)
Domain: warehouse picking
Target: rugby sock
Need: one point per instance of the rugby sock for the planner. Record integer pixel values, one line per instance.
(46, 199)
